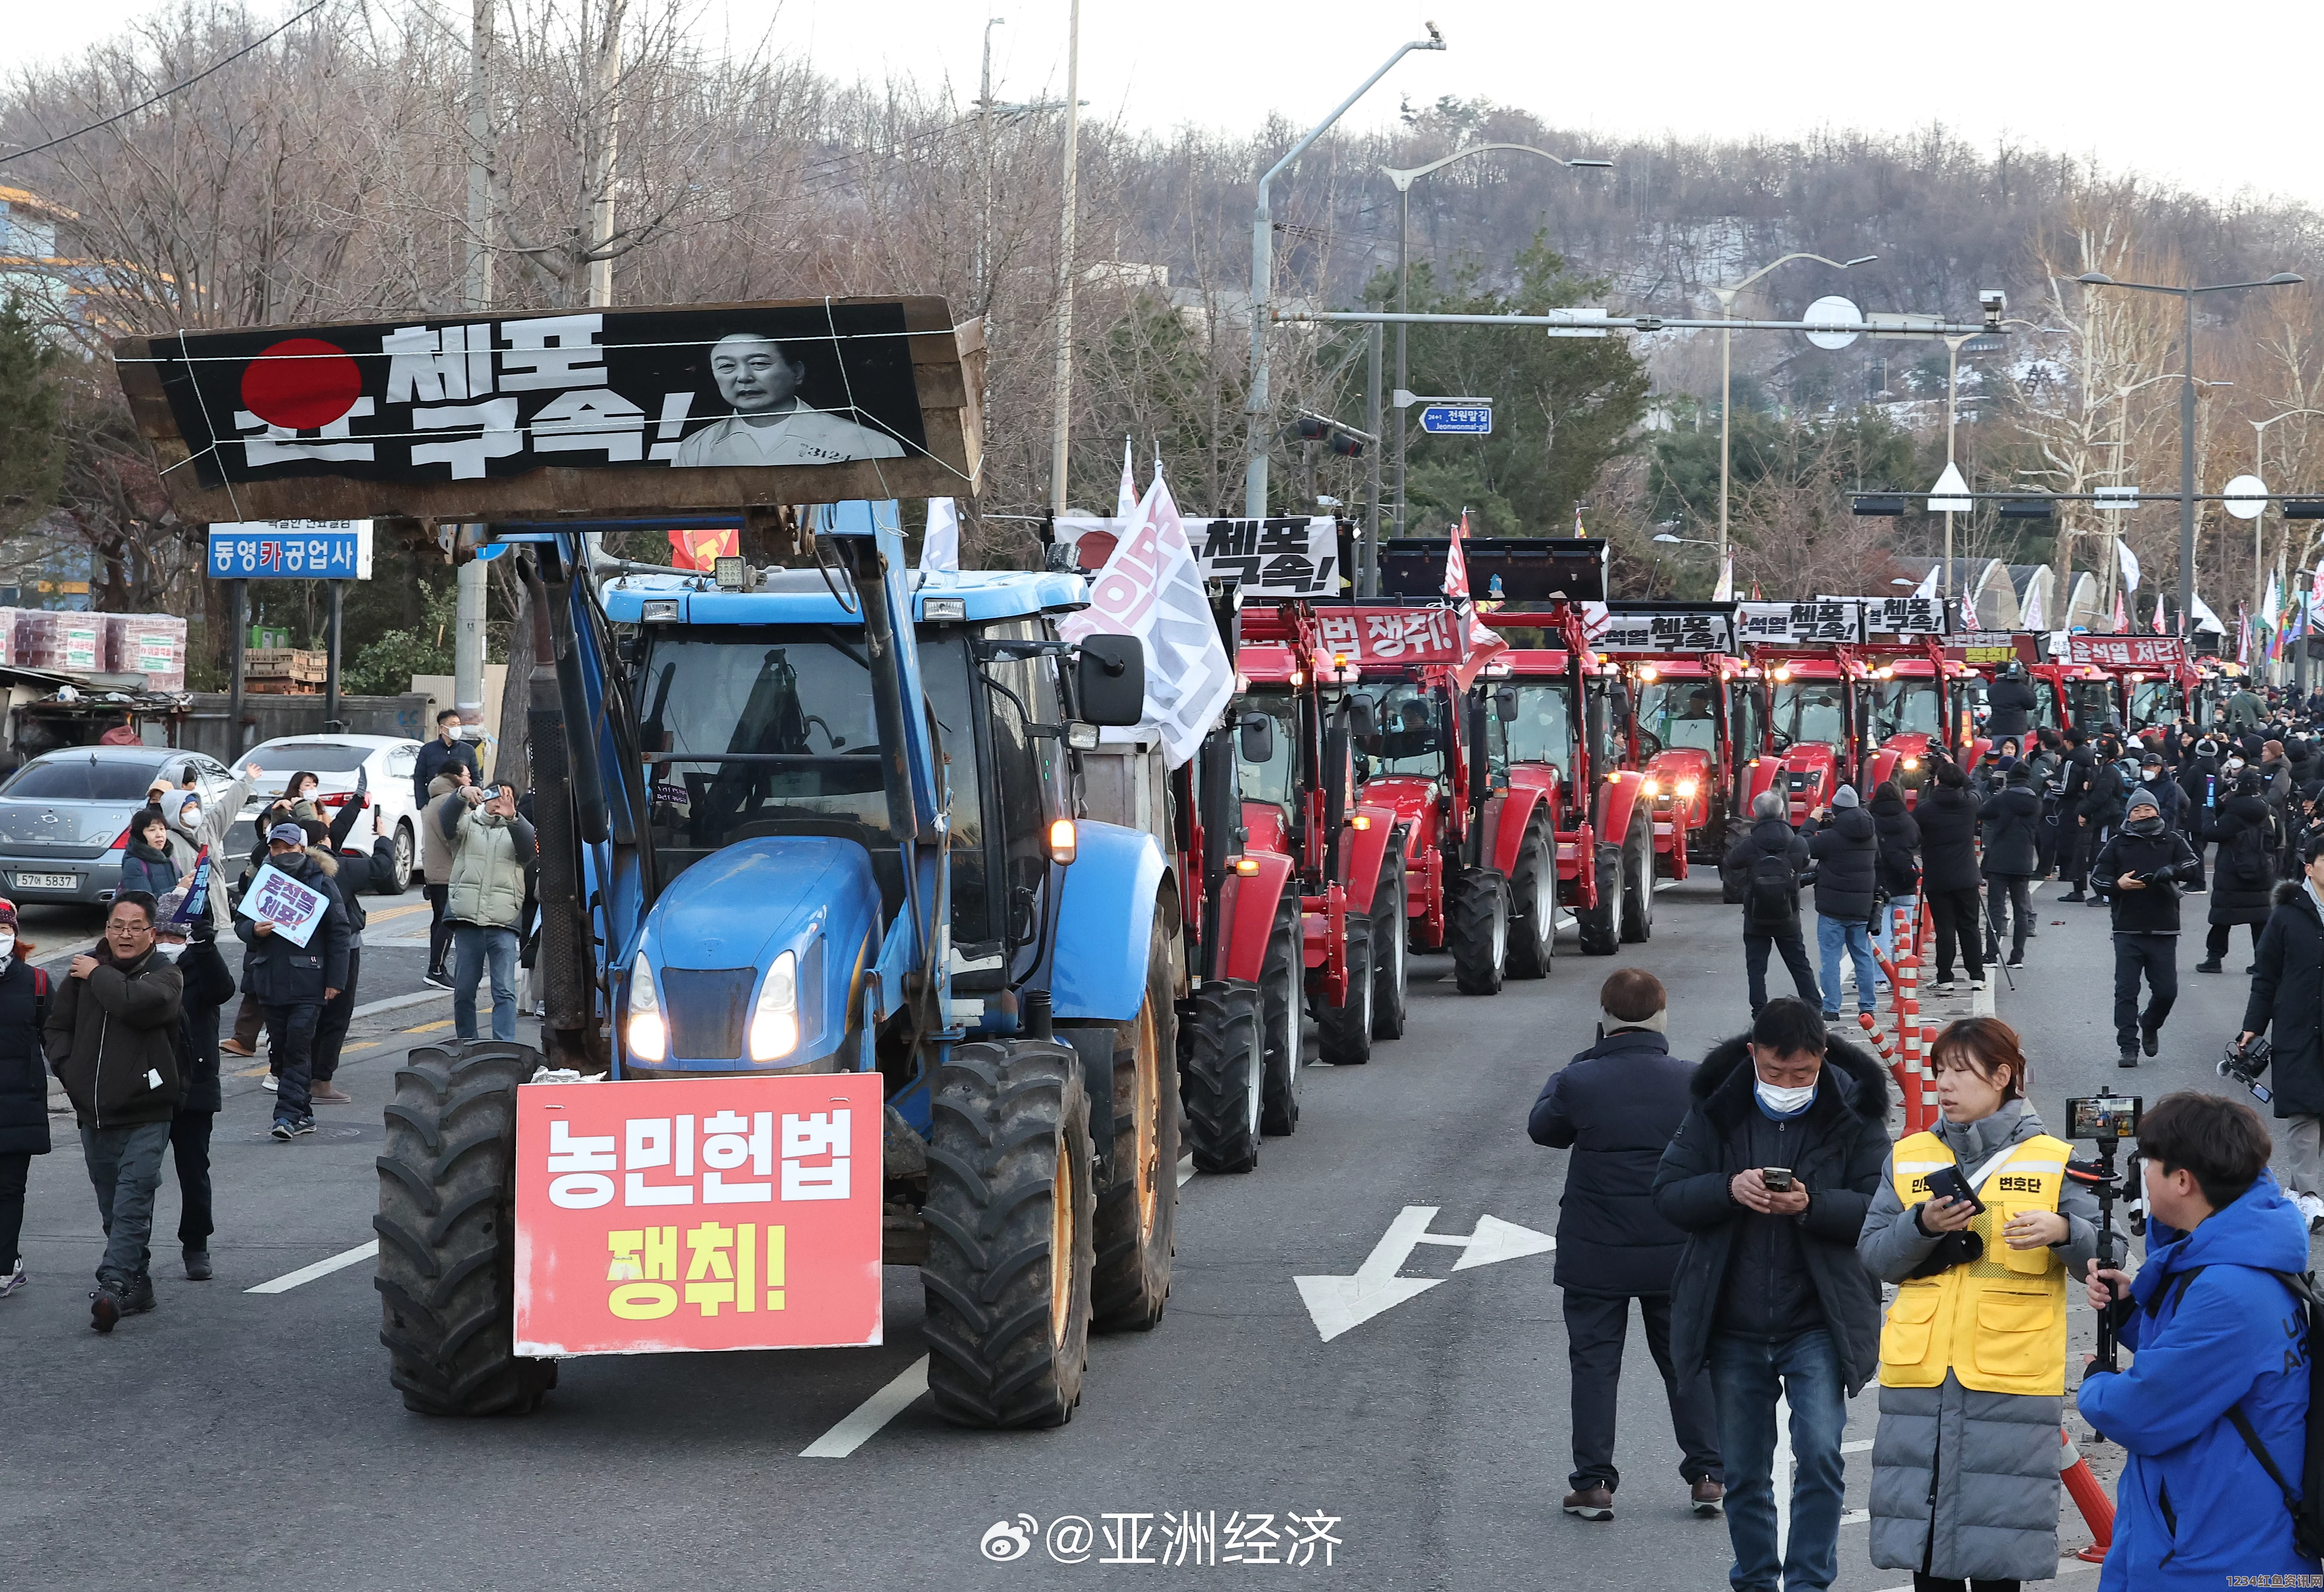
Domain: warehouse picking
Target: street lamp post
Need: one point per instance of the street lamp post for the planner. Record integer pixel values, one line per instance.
(1726, 297)
(2099, 278)
(1262, 274)
(1404, 178)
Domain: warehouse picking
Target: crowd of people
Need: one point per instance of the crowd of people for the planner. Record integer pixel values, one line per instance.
(133, 1030)
(1755, 1208)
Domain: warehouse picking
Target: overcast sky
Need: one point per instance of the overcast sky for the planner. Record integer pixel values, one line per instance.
(2208, 96)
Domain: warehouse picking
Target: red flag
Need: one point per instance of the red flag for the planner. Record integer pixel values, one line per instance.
(2121, 620)
(700, 549)
(2158, 615)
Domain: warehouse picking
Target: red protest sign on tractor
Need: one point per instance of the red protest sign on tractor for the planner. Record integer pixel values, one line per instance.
(713, 1213)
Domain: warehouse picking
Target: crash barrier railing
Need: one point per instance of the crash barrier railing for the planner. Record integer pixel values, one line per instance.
(2090, 1497)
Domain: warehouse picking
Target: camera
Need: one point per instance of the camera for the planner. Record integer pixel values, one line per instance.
(2245, 1064)
(2107, 1115)
(1995, 303)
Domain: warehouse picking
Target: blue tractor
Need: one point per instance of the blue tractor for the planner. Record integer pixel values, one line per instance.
(825, 817)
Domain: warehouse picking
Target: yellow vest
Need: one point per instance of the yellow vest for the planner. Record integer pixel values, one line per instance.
(1998, 1323)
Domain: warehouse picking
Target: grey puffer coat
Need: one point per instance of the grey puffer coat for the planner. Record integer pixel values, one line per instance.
(1989, 1460)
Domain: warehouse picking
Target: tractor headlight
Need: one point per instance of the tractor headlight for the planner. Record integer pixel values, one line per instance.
(1912, 762)
(1653, 787)
(1686, 789)
(649, 1034)
(1065, 840)
(774, 1025)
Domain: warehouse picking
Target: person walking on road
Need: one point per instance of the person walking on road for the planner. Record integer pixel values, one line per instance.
(436, 865)
(1616, 1106)
(2212, 1406)
(1965, 1460)
(1770, 1177)
(112, 1040)
(438, 754)
(1947, 817)
(1900, 861)
(339, 1012)
(2011, 819)
(1763, 870)
(2137, 872)
(2203, 788)
(294, 982)
(2243, 875)
(485, 902)
(23, 1087)
(1846, 847)
(2287, 999)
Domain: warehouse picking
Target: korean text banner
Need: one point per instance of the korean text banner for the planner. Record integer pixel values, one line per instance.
(714, 1213)
(1821, 622)
(2129, 651)
(600, 410)
(1671, 629)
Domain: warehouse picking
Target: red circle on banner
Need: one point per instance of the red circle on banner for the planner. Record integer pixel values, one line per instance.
(301, 383)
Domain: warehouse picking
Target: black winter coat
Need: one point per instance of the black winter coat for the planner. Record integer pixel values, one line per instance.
(112, 1035)
(2165, 860)
(2243, 881)
(2169, 800)
(1767, 836)
(1838, 1164)
(2012, 838)
(1900, 845)
(434, 758)
(1948, 819)
(2079, 761)
(2287, 993)
(1615, 1106)
(23, 1061)
(280, 973)
(2012, 701)
(2195, 783)
(1847, 852)
(2102, 794)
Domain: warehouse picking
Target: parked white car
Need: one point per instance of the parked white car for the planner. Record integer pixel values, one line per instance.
(386, 840)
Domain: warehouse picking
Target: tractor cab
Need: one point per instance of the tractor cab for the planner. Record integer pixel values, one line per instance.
(1690, 730)
(1818, 714)
(1917, 710)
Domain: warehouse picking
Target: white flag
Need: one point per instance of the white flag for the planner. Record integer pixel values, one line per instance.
(2129, 566)
(2205, 619)
(940, 543)
(1125, 498)
(1724, 591)
(1152, 588)
(1927, 589)
(2031, 620)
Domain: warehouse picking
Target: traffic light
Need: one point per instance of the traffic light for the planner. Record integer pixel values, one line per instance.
(1344, 440)
(1883, 503)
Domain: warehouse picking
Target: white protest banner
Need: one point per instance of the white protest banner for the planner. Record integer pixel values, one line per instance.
(1152, 588)
(1794, 624)
(1297, 557)
(274, 897)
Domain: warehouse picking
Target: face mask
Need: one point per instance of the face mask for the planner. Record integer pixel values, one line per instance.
(1782, 1102)
(7, 944)
(171, 950)
(188, 816)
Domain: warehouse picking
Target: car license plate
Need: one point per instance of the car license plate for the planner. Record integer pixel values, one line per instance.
(48, 881)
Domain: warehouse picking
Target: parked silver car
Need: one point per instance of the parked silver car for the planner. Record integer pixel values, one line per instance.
(64, 816)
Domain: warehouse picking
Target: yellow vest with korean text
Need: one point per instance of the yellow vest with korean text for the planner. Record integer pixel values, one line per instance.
(1999, 1323)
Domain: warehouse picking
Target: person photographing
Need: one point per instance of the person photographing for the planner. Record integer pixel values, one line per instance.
(1978, 1228)
(2137, 872)
(2215, 1395)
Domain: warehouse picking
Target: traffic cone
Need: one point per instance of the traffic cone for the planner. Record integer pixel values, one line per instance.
(2090, 1497)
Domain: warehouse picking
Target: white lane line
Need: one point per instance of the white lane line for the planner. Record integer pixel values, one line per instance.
(1186, 1169)
(322, 1268)
(1782, 1472)
(867, 1418)
(396, 1002)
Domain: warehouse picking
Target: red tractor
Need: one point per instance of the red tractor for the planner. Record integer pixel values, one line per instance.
(1917, 700)
(1694, 729)
(1815, 721)
(1562, 821)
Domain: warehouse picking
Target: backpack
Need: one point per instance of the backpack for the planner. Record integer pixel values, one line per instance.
(1771, 896)
(2306, 1505)
(2249, 858)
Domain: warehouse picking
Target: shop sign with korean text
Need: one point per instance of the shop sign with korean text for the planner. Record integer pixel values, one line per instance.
(714, 1213)
(508, 418)
(290, 550)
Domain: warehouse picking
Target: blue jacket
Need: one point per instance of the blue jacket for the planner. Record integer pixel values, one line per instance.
(2193, 1507)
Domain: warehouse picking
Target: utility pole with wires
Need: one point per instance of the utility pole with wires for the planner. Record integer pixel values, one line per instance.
(1063, 394)
(475, 296)
(602, 175)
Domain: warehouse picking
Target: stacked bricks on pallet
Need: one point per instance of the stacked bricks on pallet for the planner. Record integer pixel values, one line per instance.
(150, 644)
(51, 639)
(2090, 1497)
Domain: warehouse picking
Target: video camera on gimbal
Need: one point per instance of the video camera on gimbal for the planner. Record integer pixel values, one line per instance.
(2246, 1062)
(2108, 1118)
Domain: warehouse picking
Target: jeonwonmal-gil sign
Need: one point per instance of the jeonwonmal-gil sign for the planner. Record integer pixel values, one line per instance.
(714, 407)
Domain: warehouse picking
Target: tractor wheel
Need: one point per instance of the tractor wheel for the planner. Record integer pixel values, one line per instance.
(1533, 905)
(1638, 881)
(1281, 983)
(1601, 925)
(1477, 924)
(1225, 1065)
(1344, 1033)
(1136, 1209)
(1009, 1211)
(1389, 950)
(446, 1227)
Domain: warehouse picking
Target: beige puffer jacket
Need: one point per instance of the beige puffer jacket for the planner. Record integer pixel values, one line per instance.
(488, 869)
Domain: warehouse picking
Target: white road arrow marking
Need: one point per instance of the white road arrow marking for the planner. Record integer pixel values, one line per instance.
(1336, 1304)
